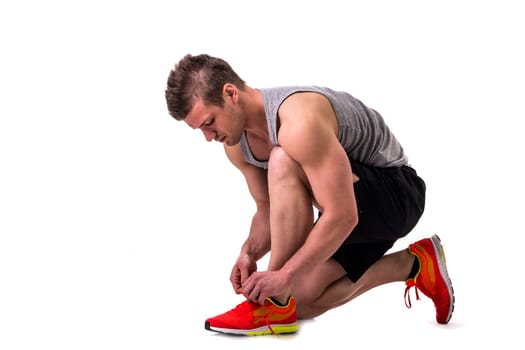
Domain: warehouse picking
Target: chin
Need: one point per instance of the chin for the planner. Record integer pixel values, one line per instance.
(232, 143)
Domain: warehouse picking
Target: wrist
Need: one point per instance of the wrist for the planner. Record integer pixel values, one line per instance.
(251, 252)
(288, 276)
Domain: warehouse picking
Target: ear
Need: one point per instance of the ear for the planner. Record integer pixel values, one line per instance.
(230, 91)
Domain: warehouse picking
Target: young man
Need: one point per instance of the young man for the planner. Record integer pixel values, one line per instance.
(301, 147)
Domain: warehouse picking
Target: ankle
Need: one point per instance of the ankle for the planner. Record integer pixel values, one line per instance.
(415, 268)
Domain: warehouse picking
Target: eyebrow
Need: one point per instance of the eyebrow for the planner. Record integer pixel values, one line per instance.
(205, 120)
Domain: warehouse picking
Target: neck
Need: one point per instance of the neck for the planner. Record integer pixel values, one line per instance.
(254, 111)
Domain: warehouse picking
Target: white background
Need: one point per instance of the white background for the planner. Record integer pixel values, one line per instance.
(119, 225)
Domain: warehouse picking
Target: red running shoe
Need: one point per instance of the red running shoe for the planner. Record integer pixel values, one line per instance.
(253, 319)
(432, 278)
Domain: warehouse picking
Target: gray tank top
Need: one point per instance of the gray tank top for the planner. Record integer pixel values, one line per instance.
(362, 131)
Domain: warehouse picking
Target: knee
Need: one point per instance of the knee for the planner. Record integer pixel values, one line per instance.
(279, 163)
(281, 166)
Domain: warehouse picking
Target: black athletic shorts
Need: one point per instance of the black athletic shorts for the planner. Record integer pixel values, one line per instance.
(390, 202)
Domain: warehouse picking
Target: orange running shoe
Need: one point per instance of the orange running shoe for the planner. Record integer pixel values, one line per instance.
(432, 277)
(253, 319)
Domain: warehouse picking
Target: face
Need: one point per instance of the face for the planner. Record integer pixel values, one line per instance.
(222, 124)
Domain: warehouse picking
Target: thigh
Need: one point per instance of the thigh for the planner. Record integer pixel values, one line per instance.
(390, 202)
(356, 258)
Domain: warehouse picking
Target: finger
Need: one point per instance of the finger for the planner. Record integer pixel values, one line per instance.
(247, 289)
(244, 273)
(236, 281)
(247, 283)
(254, 295)
(257, 294)
(250, 290)
(237, 289)
(261, 296)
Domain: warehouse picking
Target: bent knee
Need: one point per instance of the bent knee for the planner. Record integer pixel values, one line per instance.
(282, 166)
(280, 162)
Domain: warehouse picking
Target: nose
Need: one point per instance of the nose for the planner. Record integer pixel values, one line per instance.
(208, 135)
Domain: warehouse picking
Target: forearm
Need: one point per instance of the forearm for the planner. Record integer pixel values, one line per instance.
(325, 238)
(258, 242)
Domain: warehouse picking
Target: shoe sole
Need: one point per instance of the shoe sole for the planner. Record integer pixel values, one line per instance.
(264, 330)
(440, 254)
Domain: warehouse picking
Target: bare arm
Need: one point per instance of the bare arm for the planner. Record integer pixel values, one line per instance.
(308, 134)
(258, 242)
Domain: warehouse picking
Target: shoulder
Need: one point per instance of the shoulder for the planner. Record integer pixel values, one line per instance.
(305, 104)
(307, 110)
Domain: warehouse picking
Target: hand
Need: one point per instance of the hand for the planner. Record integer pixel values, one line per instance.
(243, 268)
(265, 284)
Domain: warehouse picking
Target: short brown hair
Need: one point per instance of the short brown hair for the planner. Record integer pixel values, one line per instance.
(194, 77)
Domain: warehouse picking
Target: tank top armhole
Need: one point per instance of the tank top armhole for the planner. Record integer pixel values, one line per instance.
(248, 156)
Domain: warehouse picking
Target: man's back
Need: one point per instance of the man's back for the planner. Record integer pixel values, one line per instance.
(362, 131)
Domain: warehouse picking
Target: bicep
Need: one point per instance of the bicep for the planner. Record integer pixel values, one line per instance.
(316, 148)
(330, 176)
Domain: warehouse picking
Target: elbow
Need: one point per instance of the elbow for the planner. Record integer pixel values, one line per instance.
(349, 221)
(342, 221)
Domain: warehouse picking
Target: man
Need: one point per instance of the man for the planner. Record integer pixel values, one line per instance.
(301, 148)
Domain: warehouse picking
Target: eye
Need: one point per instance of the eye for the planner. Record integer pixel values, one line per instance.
(209, 122)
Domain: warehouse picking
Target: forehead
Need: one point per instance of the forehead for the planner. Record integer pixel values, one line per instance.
(198, 114)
